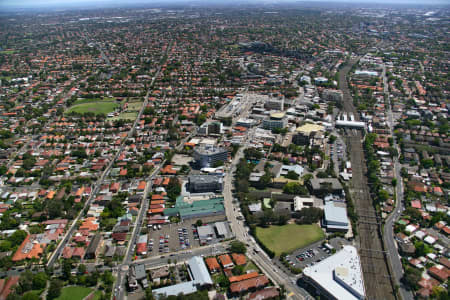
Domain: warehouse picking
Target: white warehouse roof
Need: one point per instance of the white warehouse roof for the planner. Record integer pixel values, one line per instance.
(340, 274)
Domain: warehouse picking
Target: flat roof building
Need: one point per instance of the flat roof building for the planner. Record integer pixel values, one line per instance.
(335, 216)
(209, 156)
(205, 183)
(199, 275)
(338, 276)
(276, 120)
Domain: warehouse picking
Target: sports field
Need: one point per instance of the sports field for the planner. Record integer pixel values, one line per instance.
(96, 106)
(290, 237)
(74, 293)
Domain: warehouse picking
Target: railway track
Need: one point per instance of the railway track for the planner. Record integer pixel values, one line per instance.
(377, 280)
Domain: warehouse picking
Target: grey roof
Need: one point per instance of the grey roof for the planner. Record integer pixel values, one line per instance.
(174, 290)
(204, 178)
(204, 231)
(140, 271)
(317, 183)
(199, 272)
(335, 215)
(223, 229)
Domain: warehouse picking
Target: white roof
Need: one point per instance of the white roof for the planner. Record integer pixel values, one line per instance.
(339, 274)
(430, 240)
(410, 228)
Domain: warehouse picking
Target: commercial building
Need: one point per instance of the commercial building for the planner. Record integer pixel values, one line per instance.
(323, 186)
(205, 184)
(303, 202)
(200, 278)
(335, 216)
(305, 133)
(209, 156)
(196, 209)
(274, 104)
(338, 276)
(209, 128)
(276, 120)
(332, 95)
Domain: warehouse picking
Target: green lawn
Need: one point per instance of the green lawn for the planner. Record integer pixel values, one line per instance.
(7, 52)
(289, 237)
(97, 107)
(97, 295)
(134, 106)
(74, 293)
(124, 116)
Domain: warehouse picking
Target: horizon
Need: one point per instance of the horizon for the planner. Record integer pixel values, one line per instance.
(61, 4)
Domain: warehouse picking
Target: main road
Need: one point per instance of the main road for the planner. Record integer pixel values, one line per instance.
(388, 233)
(255, 253)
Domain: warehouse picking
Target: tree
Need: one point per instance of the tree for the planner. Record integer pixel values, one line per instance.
(413, 213)
(223, 281)
(67, 268)
(295, 188)
(82, 268)
(173, 188)
(308, 215)
(30, 296)
(39, 281)
(264, 181)
(411, 277)
(25, 282)
(238, 270)
(238, 247)
(149, 294)
(383, 195)
(55, 289)
(292, 175)
(332, 139)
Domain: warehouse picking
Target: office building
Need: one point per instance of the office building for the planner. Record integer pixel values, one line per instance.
(210, 156)
(205, 184)
(276, 120)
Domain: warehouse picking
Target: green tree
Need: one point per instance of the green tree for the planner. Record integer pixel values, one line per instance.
(238, 247)
(54, 289)
(292, 175)
(39, 281)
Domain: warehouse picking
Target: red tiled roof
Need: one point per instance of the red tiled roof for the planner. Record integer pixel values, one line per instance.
(212, 264)
(239, 259)
(243, 277)
(245, 285)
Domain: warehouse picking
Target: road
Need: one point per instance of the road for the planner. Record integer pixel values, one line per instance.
(100, 181)
(388, 233)
(259, 257)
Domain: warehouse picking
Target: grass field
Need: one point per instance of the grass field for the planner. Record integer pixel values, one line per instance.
(97, 295)
(96, 106)
(7, 52)
(124, 116)
(74, 293)
(289, 237)
(134, 106)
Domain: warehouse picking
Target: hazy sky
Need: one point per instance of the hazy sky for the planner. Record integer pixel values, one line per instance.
(99, 3)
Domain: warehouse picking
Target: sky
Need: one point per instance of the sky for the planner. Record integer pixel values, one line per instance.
(105, 3)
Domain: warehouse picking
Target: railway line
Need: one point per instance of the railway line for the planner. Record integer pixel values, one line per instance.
(376, 272)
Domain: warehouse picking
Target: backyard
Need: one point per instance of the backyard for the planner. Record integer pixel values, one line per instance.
(288, 238)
